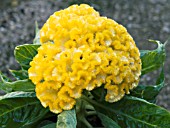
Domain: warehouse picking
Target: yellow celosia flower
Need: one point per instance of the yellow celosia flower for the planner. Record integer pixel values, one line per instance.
(82, 50)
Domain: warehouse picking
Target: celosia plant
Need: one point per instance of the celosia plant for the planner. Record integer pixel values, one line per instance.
(82, 65)
(82, 50)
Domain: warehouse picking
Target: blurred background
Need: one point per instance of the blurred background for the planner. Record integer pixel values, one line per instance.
(144, 19)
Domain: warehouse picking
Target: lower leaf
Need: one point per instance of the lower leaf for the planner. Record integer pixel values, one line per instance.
(134, 113)
(150, 92)
(67, 119)
(19, 85)
(107, 122)
(20, 111)
(52, 125)
(20, 74)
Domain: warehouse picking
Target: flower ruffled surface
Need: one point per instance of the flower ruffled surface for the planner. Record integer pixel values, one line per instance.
(82, 50)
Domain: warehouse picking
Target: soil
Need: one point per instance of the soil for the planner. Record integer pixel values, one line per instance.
(145, 19)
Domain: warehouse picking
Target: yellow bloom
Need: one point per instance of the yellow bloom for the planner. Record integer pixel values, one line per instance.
(82, 50)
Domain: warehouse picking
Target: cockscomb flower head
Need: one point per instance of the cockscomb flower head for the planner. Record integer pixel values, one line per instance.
(82, 50)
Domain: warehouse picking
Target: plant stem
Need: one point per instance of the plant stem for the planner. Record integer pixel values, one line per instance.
(91, 101)
(86, 123)
(90, 113)
(88, 106)
(81, 107)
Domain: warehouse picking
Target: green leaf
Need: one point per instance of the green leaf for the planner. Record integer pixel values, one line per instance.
(152, 60)
(47, 124)
(107, 122)
(161, 78)
(19, 85)
(4, 77)
(149, 92)
(99, 93)
(25, 53)
(18, 94)
(67, 119)
(37, 34)
(134, 112)
(20, 110)
(19, 74)
(52, 125)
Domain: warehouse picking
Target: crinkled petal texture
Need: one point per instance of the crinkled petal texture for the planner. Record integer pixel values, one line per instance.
(82, 50)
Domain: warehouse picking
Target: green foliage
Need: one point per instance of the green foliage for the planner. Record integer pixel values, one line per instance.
(51, 125)
(134, 112)
(67, 119)
(107, 122)
(47, 124)
(4, 77)
(19, 74)
(152, 60)
(18, 94)
(149, 92)
(19, 85)
(20, 109)
(25, 53)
